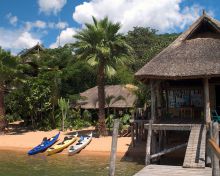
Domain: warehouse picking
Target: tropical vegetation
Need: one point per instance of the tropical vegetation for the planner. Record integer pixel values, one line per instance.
(31, 85)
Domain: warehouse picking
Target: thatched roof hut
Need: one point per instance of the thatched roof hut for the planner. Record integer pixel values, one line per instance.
(33, 50)
(185, 87)
(194, 54)
(117, 96)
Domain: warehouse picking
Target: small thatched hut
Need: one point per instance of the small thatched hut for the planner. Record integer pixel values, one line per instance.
(117, 96)
(185, 89)
(188, 68)
(33, 50)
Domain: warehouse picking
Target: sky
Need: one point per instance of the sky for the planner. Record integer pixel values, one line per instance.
(24, 23)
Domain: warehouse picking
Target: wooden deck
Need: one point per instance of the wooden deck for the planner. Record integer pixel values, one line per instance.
(164, 170)
(195, 152)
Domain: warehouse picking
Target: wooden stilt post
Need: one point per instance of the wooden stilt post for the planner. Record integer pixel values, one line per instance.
(158, 97)
(147, 159)
(207, 101)
(160, 140)
(164, 138)
(153, 116)
(153, 143)
(114, 148)
(207, 115)
(215, 160)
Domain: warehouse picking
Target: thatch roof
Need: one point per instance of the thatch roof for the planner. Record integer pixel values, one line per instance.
(35, 49)
(194, 54)
(121, 96)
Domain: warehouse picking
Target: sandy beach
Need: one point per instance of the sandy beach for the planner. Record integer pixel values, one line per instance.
(24, 141)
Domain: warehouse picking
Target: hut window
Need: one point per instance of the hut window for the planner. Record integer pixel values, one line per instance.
(178, 98)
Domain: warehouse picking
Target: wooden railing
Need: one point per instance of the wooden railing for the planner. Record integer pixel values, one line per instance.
(214, 147)
(213, 144)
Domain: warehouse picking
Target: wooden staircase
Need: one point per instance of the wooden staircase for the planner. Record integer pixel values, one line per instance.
(195, 152)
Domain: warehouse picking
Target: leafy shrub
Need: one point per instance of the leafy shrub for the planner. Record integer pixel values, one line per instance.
(109, 121)
(80, 123)
(124, 120)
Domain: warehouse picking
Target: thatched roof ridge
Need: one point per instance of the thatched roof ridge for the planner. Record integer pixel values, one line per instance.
(186, 57)
(36, 47)
(126, 92)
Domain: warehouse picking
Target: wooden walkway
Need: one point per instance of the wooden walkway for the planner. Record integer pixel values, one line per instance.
(163, 170)
(195, 152)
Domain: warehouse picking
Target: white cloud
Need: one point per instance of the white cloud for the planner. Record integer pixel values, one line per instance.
(59, 25)
(51, 6)
(25, 40)
(62, 25)
(163, 15)
(66, 36)
(40, 24)
(36, 24)
(16, 40)
(12, 19)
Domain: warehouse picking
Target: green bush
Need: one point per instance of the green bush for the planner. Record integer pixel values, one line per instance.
(109, 121)
(81, 123)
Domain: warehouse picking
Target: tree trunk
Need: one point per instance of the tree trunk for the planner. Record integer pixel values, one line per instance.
(63, 124)
(53, 116)
(101, 99)
(3, 123)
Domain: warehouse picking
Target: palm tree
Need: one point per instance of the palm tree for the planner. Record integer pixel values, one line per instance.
(103, 47)
(8, 71)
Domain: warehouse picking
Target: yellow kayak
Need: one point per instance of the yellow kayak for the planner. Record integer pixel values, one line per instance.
(62, 145)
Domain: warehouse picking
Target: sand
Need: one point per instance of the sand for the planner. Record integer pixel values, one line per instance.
(24, 141)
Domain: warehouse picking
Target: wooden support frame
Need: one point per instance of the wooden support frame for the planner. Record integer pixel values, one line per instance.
(207, 101)
(153, 117)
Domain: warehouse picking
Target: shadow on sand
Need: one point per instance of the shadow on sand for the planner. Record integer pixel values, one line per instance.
(17, 128)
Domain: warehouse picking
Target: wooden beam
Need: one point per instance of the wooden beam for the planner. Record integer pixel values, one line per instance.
(168, 151)
(207, 101)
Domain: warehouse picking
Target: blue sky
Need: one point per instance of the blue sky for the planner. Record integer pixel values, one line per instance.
(26, 22)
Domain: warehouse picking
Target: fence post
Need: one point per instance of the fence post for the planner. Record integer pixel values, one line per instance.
(114, 148)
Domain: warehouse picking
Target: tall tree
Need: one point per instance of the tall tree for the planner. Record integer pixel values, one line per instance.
(146, 44)
(8, 71)
(102, 46)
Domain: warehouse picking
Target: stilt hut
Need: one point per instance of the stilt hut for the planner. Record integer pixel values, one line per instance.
(185, 89)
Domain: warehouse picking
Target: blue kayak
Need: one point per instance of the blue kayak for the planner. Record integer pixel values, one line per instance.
(44, 145)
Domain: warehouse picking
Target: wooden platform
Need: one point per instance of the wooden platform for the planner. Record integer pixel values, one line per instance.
(164, 170)
(195, 152)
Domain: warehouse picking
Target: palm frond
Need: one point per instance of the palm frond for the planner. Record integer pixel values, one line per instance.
(110, 71)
